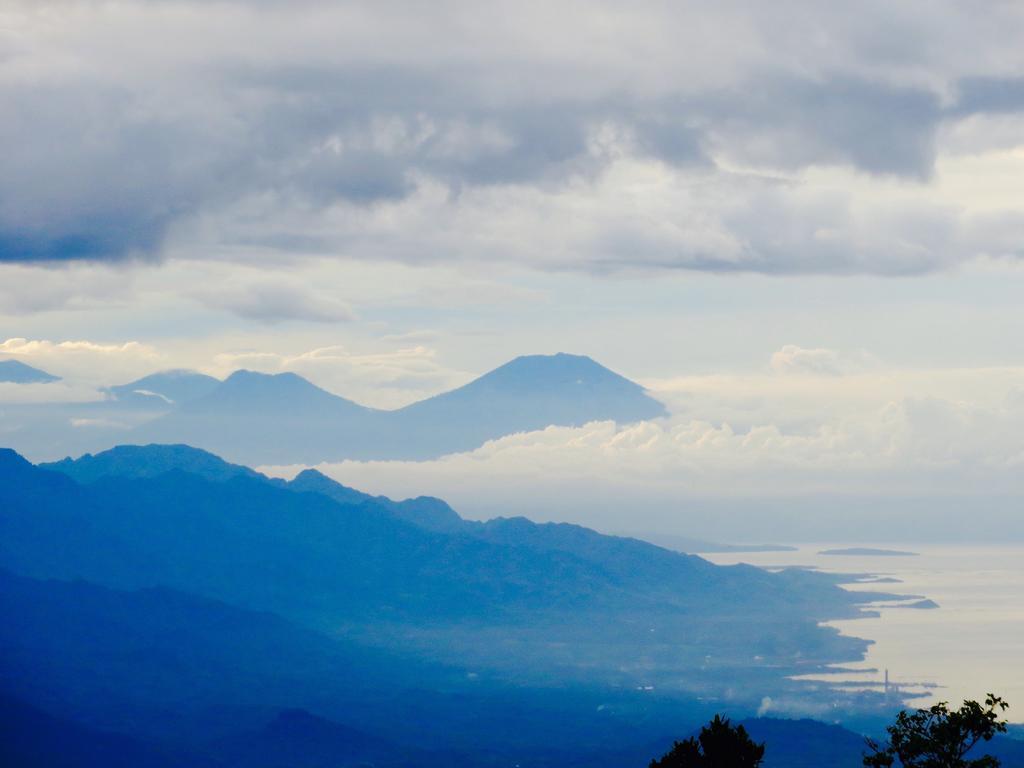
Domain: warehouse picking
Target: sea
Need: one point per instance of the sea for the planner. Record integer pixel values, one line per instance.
(970, 645)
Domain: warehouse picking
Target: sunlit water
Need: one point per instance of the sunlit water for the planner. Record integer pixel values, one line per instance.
(971, 644)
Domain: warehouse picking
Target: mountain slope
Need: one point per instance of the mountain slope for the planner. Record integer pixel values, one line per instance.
(49, 431)
(16, 372)
(425, 512)
(258, 418)
(431, 518)
(172, 663)
(624, 555)
(171, 387)
(296, 738)
(250, 689)
(528, 393)
(175, 598)
(508, 595)
(31, 738)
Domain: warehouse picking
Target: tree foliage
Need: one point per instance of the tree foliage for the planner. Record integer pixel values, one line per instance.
(939, 737)
(719, 745)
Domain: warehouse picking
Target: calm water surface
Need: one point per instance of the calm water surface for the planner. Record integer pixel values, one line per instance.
(971, 644)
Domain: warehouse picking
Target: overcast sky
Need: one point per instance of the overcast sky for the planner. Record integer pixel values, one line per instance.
(786, 216)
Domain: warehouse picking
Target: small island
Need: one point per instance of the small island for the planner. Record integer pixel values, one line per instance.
(868, 552)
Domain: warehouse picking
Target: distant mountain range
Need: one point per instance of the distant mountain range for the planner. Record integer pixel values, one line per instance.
(163, 604)
(257, 418)
(16, 372)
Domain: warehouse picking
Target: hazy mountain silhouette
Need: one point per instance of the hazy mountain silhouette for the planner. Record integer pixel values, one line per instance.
(525, 394)
(263, 418)
(171, 387)
(258, 418)
(16, 372)
(50, 431)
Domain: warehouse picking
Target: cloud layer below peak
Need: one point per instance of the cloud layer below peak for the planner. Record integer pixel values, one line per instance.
(783, 446)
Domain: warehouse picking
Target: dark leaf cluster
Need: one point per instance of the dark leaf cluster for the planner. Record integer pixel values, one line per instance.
(719, 745)
(941, 738)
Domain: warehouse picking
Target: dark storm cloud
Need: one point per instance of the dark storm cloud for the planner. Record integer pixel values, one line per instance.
(275, 302)
(106, 165)
(840, 120)
(93, 180)
(119, 240)
(94, 177)
(990, 94)
(671, 138)
(87, 174)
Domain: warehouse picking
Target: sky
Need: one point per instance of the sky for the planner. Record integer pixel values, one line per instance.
(799, 224)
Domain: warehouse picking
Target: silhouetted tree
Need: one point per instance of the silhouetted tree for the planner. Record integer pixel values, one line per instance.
(940, 738)
(719, 745)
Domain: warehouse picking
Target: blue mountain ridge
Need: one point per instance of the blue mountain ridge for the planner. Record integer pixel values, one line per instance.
(181, 605)
(261, 544)
(626, 557)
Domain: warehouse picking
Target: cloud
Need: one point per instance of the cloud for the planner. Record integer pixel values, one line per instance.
(380, 379)
(148, 129)
(274, 302)
(82, 286)
(99, 424)
(55, 392)
(869, 125)
(82, 362)
(794, 360)
(990, 94)
(758, 439)
(637, 215)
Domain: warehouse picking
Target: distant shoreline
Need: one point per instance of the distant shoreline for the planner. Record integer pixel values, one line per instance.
(721, 548)
(868, 552)
(695, 546)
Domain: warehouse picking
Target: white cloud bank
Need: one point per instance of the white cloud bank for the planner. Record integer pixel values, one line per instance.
(84, 365)
(764, 438)
(792, 359)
